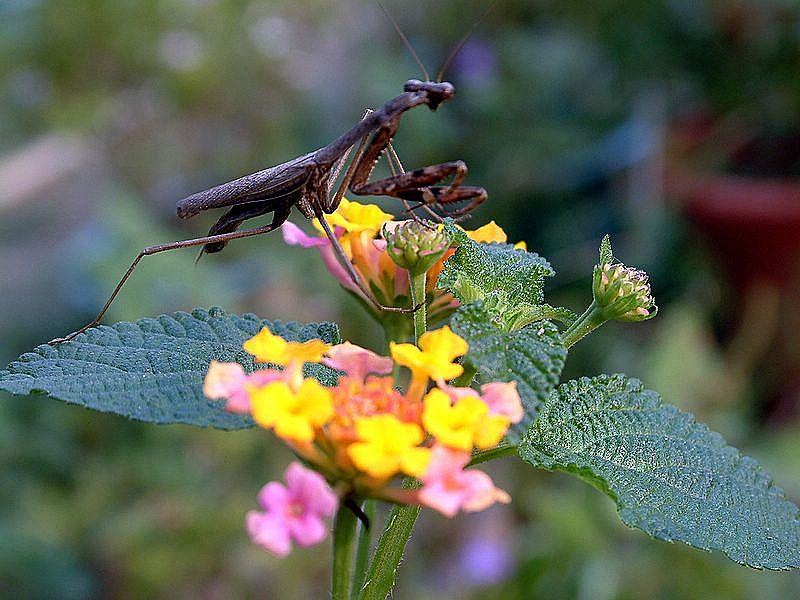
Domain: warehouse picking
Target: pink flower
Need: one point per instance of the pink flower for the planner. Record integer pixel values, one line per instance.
(357, 362)
(366, 253)
(228, 381)
(292, 512)
(502, 398)
(448, 488)
(294, 236)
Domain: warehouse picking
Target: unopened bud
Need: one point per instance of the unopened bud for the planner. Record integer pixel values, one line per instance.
(415, 245)
(623, 292)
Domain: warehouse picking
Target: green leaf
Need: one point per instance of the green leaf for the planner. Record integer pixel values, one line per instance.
(670, 476)
(512, 317)
(606, 255)
(152, 370)
(532, 356)
(477, 271)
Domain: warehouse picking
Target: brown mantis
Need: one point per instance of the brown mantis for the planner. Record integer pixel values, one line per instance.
(308, 180)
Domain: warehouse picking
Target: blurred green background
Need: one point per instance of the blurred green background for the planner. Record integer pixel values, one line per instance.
(579, 118)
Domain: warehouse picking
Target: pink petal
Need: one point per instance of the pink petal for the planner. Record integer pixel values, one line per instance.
(356, 361)
(225, 381)
(448, 487)
(438, 497)
(262, 377)
(337, 270)
(503, 399)
(456, 393)
(480, 492)
(309, 489)
(269, 531)
(294, 236)
(274, 496)
(292, 512)
(307, 529)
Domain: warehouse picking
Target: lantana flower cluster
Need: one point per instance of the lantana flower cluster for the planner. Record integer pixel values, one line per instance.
(358, 437)
(360, 229)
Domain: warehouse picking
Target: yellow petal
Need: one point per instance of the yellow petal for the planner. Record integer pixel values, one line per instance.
(491, 232)
(310, 351)
(415, 462)
(268, 347)
(491, 431)
(443, 344)
(354, 217)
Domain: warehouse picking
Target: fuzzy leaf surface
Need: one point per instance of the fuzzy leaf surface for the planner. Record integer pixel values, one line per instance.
(532, 357)
(669, 475)
(152, 370)
(477, 271)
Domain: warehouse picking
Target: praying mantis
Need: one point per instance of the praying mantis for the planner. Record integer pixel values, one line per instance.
(307, 182)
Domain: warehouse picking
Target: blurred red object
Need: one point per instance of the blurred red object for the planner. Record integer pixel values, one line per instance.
(752, 223)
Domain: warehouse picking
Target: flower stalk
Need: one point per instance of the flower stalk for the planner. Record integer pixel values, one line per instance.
(344, 535)
(619, 293)
(591, 319)
(391, 545)
(417, 285)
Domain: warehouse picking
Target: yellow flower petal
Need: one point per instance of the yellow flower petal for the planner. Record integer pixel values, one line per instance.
(293, 415)
(268, 347)
(435, 355)
(310, 351)
(443, 343)
(491, 232)
(354, 217)
(388, 446)
(465, 424)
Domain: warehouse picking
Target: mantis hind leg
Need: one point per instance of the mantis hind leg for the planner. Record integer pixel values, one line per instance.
(221, 238)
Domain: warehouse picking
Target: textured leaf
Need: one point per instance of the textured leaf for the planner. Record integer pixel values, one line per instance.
(152, 370)
(477, 271)
(532, 356)
(669, 475)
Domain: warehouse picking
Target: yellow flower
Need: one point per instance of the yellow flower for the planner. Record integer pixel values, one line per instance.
(268, 347)
(435, 355)
(388, 446)
(293, 415)
(465, 424)
(492, 232)
(354, 217)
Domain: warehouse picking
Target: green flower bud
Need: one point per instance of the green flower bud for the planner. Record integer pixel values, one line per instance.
(414, 245)
(623, 293)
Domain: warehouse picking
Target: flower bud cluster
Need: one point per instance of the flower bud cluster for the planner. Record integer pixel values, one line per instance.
(365, 233)
(415, 245)
(623, 292)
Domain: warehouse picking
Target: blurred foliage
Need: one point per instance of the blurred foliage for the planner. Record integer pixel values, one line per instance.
(111, 111)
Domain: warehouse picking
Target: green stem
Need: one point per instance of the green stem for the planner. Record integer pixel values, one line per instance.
(492, 453)
(590, 320)
(344, 534)
(390, 548)
(362, 550)
(417, 285)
